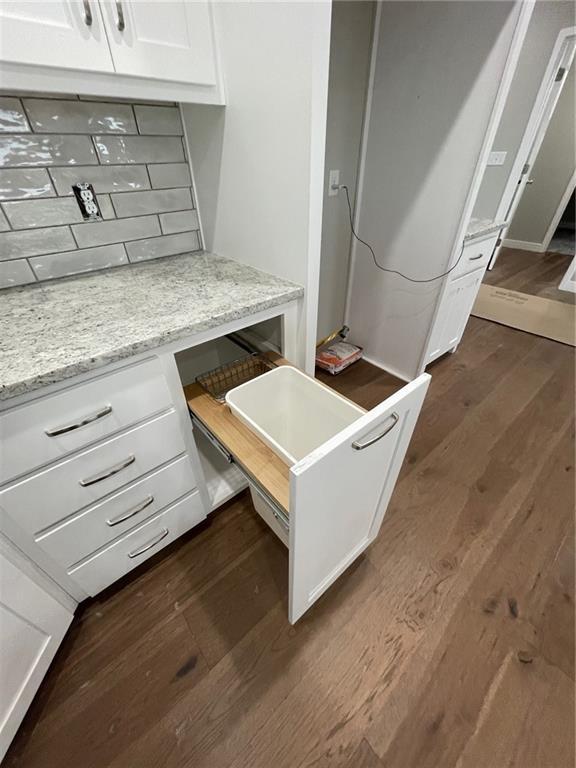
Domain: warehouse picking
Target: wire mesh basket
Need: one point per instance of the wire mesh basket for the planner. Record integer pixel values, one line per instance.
(221, 380)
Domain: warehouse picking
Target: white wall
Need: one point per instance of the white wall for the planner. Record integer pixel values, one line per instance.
(259, 162)
(350, 46)
(437, 72)
(548, 19)
(552, 172)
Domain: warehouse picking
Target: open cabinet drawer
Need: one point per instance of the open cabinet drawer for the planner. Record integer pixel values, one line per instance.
(332, 501)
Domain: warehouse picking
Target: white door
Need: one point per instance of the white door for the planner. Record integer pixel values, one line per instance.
(568, 282)
(32, 625)
(548, 95)
(339, 493)
(170, 40)
(55, 33)
(454, 312)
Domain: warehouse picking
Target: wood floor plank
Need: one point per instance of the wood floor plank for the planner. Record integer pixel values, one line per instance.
(406, 662)
(538, 274)
(541, 735)
(220, 616)
(489, 619)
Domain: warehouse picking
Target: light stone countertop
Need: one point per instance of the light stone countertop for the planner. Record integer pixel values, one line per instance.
(53, 331)
(482, 228)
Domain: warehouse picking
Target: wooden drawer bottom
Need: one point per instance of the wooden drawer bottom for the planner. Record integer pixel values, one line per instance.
(123, 555)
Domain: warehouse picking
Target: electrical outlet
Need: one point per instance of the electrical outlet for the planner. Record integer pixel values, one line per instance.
(497, 158)
(333, 183)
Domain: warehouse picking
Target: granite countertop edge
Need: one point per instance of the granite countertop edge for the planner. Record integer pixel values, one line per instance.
(478, 228)
(282, 292)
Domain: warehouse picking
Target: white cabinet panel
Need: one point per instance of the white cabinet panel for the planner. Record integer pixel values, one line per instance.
(340, 492)
(58, 33)
(453, 314)
(164, 40)
(32, 625)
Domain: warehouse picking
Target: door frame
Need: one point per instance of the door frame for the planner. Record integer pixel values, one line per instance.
(559, 211)
(562, 56)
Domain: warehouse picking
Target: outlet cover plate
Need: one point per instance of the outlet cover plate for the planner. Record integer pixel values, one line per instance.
(497, 158)
(333, 181)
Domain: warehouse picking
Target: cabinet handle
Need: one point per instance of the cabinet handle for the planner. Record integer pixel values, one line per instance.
(55, 431)
(150, 544)
(120, 24)
(360, 446)
(87, 14)
(131, 512)
(475, 258)
(108, 472)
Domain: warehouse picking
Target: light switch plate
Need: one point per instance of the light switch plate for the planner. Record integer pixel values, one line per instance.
(333, 182)
(497, 158)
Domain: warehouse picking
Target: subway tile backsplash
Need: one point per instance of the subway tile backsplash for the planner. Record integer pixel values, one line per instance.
(133, 155)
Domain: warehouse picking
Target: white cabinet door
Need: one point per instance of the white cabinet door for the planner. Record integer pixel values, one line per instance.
(170, 40)
(54, 33)
(454, 312)
(340, 492)
(32, 625)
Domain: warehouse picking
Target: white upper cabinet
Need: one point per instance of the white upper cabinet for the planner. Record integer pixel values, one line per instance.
(67, 33)
(165, 40)
(131, 48)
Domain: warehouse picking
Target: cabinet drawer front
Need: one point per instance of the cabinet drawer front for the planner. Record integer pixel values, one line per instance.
(474, 256)
(55, 493)
(52, 427)
(79, 536)
(137, 546)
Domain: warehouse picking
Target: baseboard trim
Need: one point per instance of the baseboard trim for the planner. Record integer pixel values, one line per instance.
(522, 245)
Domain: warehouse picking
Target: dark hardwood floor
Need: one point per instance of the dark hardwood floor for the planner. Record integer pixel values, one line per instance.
(449, 644)
(538, 274)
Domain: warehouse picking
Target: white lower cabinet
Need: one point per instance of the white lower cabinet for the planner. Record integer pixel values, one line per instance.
(329, 504)
(453, 314)
(113, 474)
(32, 626)
(137, 546)
(458, 297)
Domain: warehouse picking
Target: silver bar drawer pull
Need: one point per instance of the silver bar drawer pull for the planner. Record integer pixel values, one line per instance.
(475, 258)
(108, 472)
(87, 14)
(99, 414)
(156, 540)
(358, 446)
(120, 24)
(131, 512)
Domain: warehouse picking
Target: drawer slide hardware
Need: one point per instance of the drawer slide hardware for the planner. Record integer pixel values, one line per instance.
(278, 513)
(358, 446)
(99, 414)
(197, 424)
(156, 540)
(131, 512)
(108, 472)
